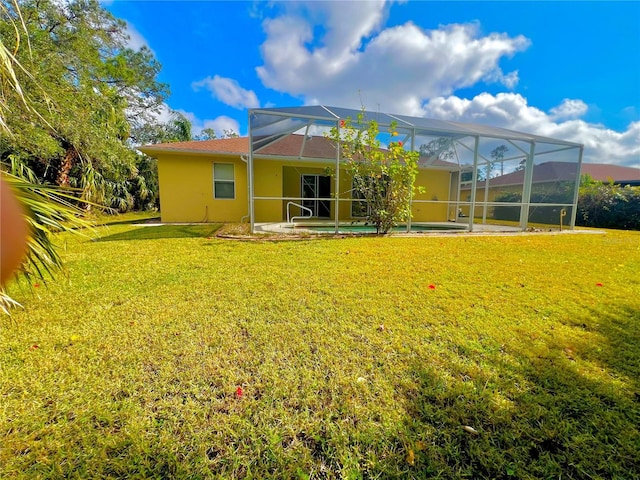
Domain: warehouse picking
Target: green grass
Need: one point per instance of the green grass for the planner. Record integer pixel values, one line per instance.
(350, 365)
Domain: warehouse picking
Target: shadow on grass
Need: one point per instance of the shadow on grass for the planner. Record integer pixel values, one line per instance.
(128, 222)
(163, 231)
(104, 219)
(620, 324)
(534, 417)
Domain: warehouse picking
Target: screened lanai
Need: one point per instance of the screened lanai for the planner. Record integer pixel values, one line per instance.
(473, 174)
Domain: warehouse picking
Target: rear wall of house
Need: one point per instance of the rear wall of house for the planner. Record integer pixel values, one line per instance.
(281, 178)
(436, 186)
(187, 189)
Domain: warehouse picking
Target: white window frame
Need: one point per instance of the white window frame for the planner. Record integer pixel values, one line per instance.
(219, 181)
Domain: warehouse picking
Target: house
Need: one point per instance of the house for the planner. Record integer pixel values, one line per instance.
(202, 181)
(287, 167)
(207, 181)
(619, 175)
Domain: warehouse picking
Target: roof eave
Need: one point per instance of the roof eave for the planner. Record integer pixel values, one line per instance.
(152, 152)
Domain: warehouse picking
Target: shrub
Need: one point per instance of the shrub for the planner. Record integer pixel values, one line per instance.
(600, 205)
(382, 177)
(556, 193)
(605, 205)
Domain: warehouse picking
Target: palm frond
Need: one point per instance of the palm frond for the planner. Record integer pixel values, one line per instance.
(48, 210)
(9, 65)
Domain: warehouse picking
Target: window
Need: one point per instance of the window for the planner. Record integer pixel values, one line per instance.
(224, 185)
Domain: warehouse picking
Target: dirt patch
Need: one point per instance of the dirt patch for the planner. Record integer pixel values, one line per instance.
(237, 231)
(241, 231)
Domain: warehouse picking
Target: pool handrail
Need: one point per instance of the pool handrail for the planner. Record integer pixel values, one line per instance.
(290, 219)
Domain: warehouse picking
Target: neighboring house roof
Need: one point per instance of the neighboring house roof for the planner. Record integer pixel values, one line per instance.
(604, 172)
(566, 171)
(289, 146)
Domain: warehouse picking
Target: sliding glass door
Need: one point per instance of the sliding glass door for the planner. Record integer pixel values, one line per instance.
(313, 189)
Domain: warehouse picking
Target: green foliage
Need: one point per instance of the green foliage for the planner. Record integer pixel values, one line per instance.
(136, 374)
(83, 91)
(600, 204)
(207, 134)
(69, 92)
(605, 205)
(176, 129)
(48, 210)
(145, 187)
(382, 177)
(558, 192)
(210, 134)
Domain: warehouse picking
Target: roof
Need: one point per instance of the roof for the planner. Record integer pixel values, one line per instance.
(604, 172)
(220, 146)
(259, 119)
(563, 171)
(291, 146)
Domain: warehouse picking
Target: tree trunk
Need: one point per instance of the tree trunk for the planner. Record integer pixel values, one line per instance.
(67, 164)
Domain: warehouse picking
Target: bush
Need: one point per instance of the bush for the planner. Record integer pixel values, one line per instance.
(605, 205)
(600, 205)
(383, 178)
(557, 193)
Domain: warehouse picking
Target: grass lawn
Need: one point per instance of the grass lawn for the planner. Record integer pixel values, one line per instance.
(166, 353)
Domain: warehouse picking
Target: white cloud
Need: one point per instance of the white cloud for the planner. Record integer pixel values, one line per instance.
(164, 113)
(229, 92)
(569, 109)
(357, 60)
(136, 41)
(509, 110)
(510, 80)
(340, 53)
(219, 124)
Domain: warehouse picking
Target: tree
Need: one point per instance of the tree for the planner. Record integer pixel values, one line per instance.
(439, 149)
(210, 134)
(228, 133)
(88, 90)
(207, 134)
(521, 165)
(497, 155)
(383, 177)
(43, 209)
(69, 91)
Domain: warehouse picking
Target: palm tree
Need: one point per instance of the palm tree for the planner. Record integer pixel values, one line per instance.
(179, 128)
(46, 209)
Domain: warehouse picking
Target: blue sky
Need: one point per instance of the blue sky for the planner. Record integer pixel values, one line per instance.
(569, 70)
